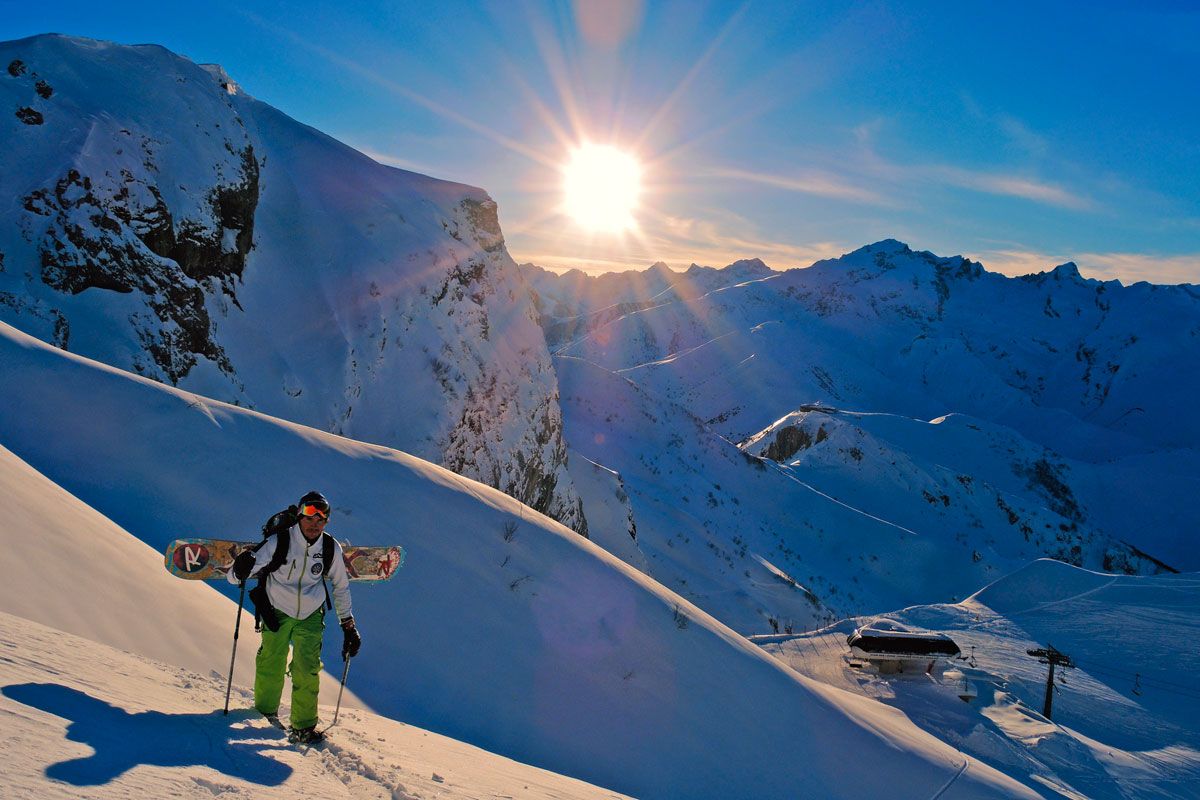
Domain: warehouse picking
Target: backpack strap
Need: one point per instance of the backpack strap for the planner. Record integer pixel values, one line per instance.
(282, 539)
(327, 556)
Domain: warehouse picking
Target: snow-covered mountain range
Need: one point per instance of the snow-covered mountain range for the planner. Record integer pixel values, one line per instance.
(879, 429)
(161, 220)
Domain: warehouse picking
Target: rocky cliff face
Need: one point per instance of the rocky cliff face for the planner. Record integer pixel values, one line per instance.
(100, 203)
(167, 223)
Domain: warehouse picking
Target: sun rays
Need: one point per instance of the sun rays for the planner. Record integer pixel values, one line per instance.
(600, 169)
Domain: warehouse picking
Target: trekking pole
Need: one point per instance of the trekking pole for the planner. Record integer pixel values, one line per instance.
(338, 708)
(236, 627)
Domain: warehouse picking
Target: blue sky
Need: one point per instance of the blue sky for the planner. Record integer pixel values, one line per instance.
(1022, 134)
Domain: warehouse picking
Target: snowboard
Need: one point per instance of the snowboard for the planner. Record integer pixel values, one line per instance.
(199, 559)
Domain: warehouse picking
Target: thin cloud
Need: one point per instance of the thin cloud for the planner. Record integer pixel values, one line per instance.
(1126, 267)
(1131, 267)
(1009, 186)
(677, 241)
(822, 184)
(1022, 135)
(1005, 184)
(684, 240)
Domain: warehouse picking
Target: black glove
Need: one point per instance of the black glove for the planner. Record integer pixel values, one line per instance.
(243, 564)
(351, 641)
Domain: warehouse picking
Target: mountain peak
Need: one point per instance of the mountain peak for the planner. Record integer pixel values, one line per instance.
(883, 249)
(1063, 273)
(1068, 271)
(750, 265)
(888, 246)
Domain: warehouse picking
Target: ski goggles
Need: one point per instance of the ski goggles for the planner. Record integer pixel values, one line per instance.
(313, 510)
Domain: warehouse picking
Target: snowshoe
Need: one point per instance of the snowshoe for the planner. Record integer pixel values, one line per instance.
(274, 720)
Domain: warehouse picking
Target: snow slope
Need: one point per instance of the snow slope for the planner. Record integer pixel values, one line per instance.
(1124, 720)
(504, 629)
(82, 574)
(120, 724)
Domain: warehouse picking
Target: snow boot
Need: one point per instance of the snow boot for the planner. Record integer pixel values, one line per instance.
(309, 735)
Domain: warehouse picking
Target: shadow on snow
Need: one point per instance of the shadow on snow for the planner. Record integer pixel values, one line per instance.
(122, 740)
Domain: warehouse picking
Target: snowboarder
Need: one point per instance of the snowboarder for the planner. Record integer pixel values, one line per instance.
(291, 601)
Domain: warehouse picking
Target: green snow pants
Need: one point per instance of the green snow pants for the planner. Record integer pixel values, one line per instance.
(304, 635)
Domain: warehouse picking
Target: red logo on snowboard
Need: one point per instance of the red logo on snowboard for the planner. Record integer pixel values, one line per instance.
(191, 557)
(388, 564)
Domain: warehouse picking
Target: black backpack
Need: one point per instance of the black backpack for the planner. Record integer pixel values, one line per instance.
(277, 528)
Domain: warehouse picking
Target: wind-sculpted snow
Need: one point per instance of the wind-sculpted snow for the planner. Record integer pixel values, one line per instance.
(504, 628)
(161, 220)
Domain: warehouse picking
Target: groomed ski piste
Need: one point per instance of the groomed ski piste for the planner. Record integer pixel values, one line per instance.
(547, 659)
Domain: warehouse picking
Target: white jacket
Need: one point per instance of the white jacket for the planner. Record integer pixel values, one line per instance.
(296, 588)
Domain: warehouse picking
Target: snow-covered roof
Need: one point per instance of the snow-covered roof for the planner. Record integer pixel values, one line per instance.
(891, 640)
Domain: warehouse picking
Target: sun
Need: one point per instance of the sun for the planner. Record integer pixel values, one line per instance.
(601, 187)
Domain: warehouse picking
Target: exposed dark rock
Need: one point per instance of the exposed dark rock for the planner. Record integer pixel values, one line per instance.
(1159, 566)
(484, 216)
(59, 333)
(789, 440)
(1046, 479)
(114, 244)
(44, 89)
(62, 332)
(30, 116)
(463, 279)
(16, 68)
(199, 252)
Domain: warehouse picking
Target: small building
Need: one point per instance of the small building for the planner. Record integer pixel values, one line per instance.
(893, 648)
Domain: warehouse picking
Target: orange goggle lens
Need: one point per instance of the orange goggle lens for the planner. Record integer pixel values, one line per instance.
(313, 510)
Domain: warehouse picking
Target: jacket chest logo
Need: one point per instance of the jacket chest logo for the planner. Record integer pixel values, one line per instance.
(315, 569)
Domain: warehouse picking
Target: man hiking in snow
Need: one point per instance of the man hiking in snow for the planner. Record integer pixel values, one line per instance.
(291, 599)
